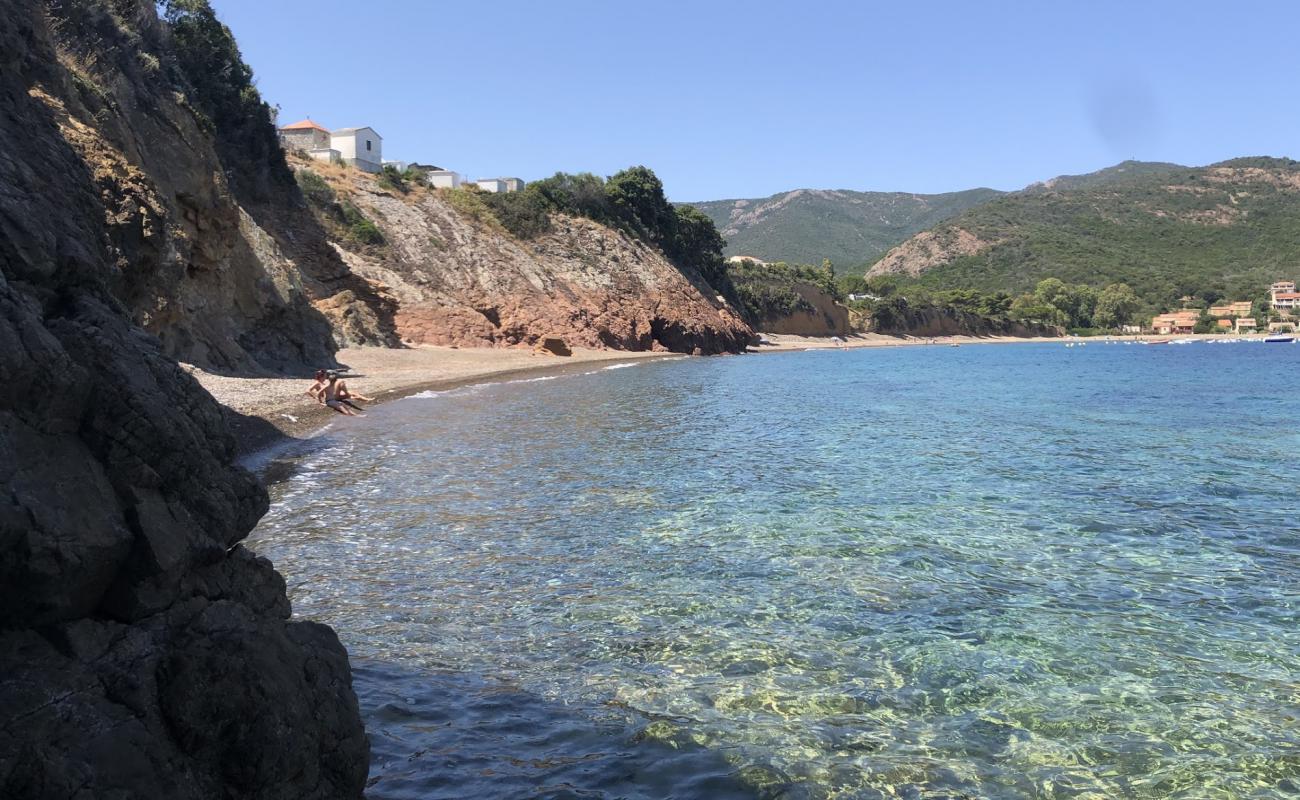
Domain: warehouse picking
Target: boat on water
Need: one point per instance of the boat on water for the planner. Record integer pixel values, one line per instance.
(1279, 339)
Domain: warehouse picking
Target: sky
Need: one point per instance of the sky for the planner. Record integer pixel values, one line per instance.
(730, 99)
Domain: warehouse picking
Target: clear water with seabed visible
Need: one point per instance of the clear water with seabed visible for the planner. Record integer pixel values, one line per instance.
(1023, 571)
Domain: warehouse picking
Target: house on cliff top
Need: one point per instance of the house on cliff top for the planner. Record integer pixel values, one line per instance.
(361, 147)
(502, 185)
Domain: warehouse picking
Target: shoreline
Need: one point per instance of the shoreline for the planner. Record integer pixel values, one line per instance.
(265, 412)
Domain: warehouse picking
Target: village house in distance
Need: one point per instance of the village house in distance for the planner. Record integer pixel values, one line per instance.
(359, 147)
(363, 148)
(1236, 316)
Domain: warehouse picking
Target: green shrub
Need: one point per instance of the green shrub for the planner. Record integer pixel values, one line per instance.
(390, 178)
(359, 228)
(468, 202)
(314, 187)
(525, 214)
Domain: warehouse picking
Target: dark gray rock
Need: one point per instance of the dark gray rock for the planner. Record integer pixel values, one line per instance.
(143, 652)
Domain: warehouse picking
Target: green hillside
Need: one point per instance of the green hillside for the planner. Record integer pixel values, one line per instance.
(852, 229)
(1228, 229)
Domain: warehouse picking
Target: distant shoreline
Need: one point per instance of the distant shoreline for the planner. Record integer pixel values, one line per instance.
(263, 412)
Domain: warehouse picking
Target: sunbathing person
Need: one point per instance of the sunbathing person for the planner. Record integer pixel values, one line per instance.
(332, 394)
(346, 395)
(317, 390)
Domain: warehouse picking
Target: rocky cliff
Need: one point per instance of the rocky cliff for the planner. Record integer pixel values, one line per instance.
(210, 247)
(143, 651)
(457, 277)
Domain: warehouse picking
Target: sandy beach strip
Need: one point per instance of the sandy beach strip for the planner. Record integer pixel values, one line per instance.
(264, 410)
(783, 342)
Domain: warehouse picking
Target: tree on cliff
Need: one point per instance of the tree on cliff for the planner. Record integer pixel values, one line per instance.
(637, 197)
(697, 243)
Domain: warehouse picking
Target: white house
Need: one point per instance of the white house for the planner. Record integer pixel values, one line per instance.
(444, 178)
(400, 166)
(500, 184)
(360, 147)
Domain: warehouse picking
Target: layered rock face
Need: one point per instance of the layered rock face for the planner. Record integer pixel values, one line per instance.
(458, 281)
(230, 275)
(143, 652)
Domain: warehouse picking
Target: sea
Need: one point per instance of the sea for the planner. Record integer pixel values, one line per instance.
(1002, 571)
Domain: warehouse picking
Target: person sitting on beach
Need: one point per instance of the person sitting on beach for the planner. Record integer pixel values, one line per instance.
(317, 390)
(346, 395)
(332, 395)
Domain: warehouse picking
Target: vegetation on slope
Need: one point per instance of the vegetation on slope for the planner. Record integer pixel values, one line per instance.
(219, 85)
(632, 201)
(769, 291)
(849, 228)
(1223, 231)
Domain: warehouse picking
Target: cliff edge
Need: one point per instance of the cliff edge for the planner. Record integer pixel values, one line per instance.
(143, 651)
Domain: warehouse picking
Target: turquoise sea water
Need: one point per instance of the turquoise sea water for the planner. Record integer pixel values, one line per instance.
(1022, 571)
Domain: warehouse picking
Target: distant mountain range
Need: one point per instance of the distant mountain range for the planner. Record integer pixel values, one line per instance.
(1165, 229)
(852, 229)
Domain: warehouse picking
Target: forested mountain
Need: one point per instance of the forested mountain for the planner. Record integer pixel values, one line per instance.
(1227, 229)
(852, 229)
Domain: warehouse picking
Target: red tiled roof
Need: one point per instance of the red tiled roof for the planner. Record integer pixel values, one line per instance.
(1287, 296)
(304, 125)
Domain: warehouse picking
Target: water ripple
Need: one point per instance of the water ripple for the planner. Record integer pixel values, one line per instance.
(932, 573)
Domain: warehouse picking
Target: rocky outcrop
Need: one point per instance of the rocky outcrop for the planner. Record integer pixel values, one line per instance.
(143, 652)
(226, 279)
(457, 280)
(927, 250)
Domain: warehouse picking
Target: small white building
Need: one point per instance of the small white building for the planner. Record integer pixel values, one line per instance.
(360, 147)
(500, 184)
(444, 178)
(400, 166)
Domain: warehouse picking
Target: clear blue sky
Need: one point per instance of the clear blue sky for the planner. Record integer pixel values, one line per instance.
(745, 99)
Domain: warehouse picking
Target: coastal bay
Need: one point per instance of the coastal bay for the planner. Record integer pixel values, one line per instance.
(818, 574)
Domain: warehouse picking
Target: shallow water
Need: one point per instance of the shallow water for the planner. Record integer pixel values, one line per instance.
(1016, 571)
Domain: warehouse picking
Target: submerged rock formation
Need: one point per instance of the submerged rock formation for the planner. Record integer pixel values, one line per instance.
(143, 651)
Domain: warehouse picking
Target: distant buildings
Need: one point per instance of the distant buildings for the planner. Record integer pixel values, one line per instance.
(501, 185)
(361, 147)
(1245, 325)
(1235, 309)
(1175, 322)
(444, 178)
(1283, 296)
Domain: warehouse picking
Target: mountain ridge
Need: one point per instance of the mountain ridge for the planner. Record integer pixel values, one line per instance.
(1168, 230)
(849, 227)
